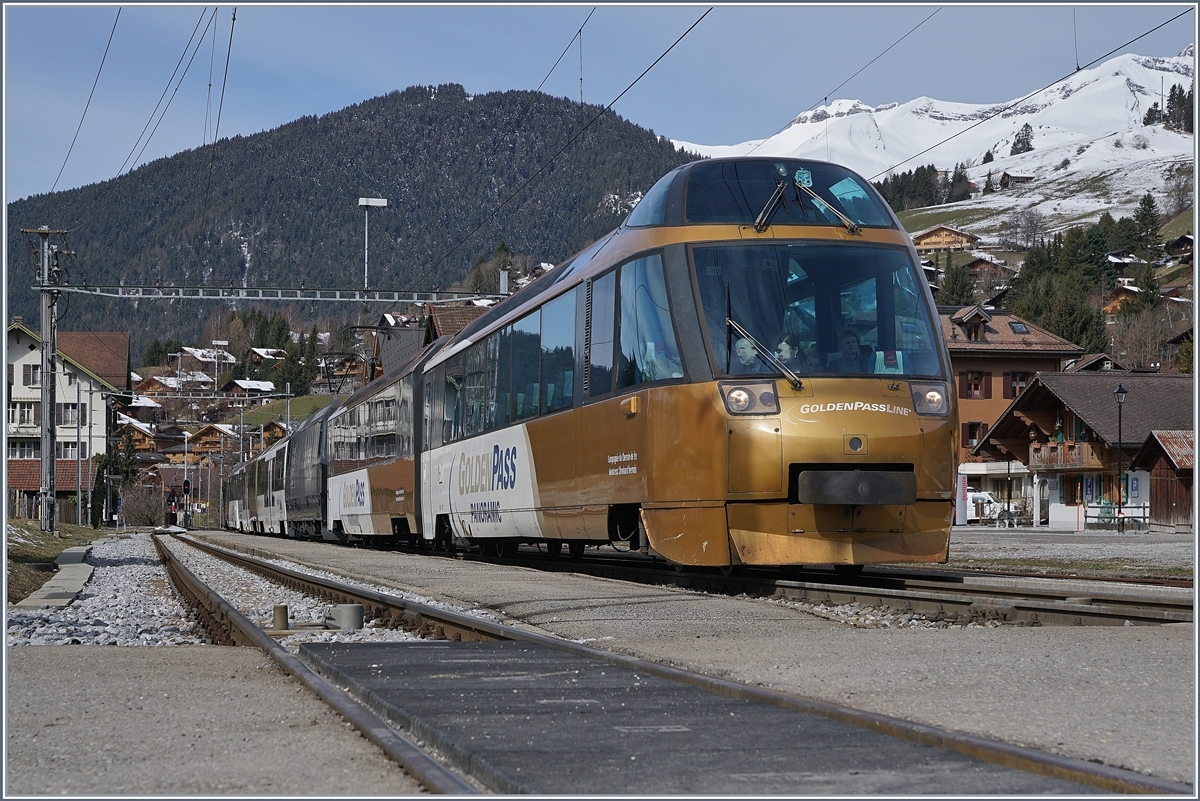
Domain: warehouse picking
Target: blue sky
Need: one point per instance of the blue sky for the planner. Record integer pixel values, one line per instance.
(741, 74)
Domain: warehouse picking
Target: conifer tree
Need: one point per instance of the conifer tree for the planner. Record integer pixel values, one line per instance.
(958, 288)
(1023, 141)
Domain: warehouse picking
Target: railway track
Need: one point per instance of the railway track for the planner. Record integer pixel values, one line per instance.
(440, 624)
(952, 596)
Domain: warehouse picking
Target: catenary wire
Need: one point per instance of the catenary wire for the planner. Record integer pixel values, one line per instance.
(99, 204)
(1031, 94)
(212, 151)
(848, 80)
(560, 151)
(88, 104)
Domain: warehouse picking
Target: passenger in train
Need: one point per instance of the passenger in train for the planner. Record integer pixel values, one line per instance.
(788, 351)
(749, 360)
(850, 359)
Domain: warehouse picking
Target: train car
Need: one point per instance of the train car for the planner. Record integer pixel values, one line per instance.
(305, 478)
(373, 444)
(748, 371)
(270, 509)
(239, 505)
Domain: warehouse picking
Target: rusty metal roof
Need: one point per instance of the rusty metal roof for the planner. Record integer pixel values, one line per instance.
(1179, 446)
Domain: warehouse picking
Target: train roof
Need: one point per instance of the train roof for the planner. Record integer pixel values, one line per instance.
(392, 376)
(725, 191)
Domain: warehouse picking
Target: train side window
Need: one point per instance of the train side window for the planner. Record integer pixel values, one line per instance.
(474, 390)
(600, 334)
(499, 356)
(648, 351)
(558, 353)
(526, 365)
(427, 416)
(452, 401)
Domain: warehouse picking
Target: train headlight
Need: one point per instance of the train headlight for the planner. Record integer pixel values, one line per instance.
(756, 397)
(930, 399)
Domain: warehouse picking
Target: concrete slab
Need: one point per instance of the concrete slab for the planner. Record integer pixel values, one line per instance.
(65, 585)
(524, 718)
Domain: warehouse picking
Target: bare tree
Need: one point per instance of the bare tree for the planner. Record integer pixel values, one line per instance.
(1141, 340)
(142, 505)
(1179, 190)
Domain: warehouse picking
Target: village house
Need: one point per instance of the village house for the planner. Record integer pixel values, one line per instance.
(994, 356)
(943, 237)
(1072, 435)
(94, 368)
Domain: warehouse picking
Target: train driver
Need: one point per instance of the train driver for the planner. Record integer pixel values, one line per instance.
(850, 359)
(749, 361)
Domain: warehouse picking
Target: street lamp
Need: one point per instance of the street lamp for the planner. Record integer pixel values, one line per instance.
(1119, 393)
(365, 203)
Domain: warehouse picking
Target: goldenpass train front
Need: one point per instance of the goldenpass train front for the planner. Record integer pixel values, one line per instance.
(748, 371)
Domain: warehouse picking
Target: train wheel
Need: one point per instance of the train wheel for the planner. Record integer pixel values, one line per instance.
(554, 547)
(731, 570)
(506, 550)
(848, 571)
(575, 549)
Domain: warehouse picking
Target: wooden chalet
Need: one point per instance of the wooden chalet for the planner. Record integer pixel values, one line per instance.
(943, 237)
(1064, 427)
(1170, 459)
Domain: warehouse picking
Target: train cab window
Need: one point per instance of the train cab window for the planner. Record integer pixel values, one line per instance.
(600, 334)
(558, 353)
(843, 309)
(526, 365)
(648, 350)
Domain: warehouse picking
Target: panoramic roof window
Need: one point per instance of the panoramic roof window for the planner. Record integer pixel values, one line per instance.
(652, 209)
(1018, 327)
(748, 192)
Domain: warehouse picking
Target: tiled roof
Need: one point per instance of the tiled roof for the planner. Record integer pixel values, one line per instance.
(1153, 402)
(104, 353)
(452, 319)
(26, 474)
(998, 335)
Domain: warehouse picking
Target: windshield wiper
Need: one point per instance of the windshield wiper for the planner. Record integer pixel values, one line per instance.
(821, 205)
(764, 217)
(792, 378)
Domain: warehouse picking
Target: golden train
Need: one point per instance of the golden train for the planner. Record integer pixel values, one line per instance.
(748, 371)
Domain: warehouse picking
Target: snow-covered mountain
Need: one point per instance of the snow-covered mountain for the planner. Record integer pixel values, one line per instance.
(1091, 152)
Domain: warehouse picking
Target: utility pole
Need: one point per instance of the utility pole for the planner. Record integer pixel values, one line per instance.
(48, 281)
(78, 455)
(91, 455)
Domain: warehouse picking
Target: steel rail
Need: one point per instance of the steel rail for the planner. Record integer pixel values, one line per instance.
(1005, 754)
(430, 773)
(971, 599)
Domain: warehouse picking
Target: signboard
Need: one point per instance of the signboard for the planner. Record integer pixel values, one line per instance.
(1133, 485)
(1087, 492)
(960, 501)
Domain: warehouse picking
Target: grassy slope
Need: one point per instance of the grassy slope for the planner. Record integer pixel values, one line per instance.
(29, 545)
(302, 407)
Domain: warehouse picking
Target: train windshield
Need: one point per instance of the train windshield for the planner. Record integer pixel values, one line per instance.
(820, 308)
(783, 192)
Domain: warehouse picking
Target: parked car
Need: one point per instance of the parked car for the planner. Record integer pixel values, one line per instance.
(986, 507)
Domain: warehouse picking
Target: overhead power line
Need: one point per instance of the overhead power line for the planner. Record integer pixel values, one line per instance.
(1031, 94)
(560, 151)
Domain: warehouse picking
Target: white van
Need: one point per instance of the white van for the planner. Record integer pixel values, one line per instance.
(986, 506)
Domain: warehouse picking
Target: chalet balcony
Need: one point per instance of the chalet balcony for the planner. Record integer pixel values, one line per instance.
(1052, 456)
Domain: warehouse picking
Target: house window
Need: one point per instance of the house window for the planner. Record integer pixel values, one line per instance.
(1015, 383)
(974, 385)
(69, 414)
(972, 433)
(974, 331)
(68, 450)
(31, 375)
(70, 379)
(1018, 327)
(22, 414)
(24, 449)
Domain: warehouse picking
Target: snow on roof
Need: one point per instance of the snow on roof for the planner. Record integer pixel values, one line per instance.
(211, 355)
(255, 386)
(143, 402)
(269, 353)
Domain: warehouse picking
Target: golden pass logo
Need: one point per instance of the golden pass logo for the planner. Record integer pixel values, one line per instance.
(856, 406)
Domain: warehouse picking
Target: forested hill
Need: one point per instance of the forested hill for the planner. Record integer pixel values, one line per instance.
(281, 207)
